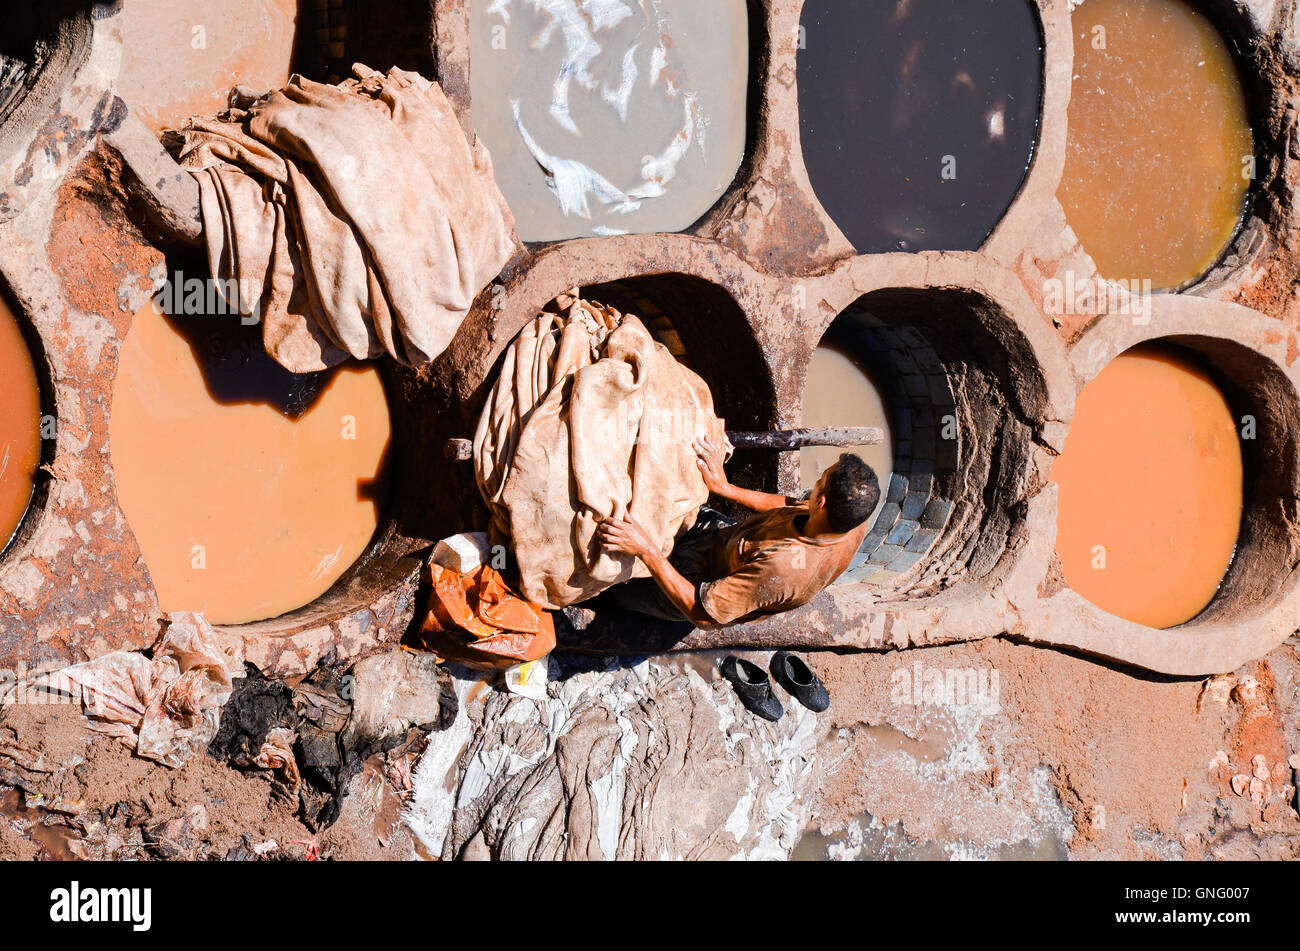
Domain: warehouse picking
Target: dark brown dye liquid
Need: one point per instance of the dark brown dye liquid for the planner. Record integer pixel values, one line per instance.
(918, 117)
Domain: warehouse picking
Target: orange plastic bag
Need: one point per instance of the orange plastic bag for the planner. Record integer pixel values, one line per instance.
(478, 621)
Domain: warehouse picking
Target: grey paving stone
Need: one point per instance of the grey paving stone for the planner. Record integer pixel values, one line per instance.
(922, 540)
(904, 562)
(885, 554)
(914, 505)
(903, 532)
(936, 514)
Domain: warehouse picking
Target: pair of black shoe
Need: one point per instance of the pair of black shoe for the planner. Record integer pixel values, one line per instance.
(755, 689)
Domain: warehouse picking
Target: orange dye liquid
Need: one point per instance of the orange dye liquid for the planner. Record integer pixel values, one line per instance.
(20, 425)
(250, 490)
(1150, 489)
(1159, 148)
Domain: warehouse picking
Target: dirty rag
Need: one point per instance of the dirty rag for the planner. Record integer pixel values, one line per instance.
(589, 418)
(354, 220)
(166, 707)
(477, 620)
(276, 755)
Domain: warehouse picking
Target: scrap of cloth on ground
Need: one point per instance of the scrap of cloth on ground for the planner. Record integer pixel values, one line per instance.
(589, 418)
(167, 706)
(353, 219)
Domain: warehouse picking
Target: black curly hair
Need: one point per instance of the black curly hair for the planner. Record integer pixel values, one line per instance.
(851, 493)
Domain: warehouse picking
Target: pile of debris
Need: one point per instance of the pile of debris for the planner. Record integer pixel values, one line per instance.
(227, 763)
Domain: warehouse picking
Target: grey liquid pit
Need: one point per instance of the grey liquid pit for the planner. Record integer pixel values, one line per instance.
(610, 116)
(918, 117)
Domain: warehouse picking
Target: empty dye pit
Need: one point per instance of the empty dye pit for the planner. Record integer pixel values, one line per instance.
(918, 120)
(20, 425)
(1150, 488)
(841, 391)
(250, 490)
(180, 58)
(1159, 153)
(609, 117)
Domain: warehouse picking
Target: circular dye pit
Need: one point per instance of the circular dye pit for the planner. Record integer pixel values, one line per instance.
(20, 425)
(251, 490)
(841, 391)
(918, 120)
(876, 366)
(1150, 483)
(621, 118)
(1159, 156)
(180, 58)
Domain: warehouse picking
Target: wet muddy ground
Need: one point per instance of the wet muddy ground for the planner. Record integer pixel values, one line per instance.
(1049, 756)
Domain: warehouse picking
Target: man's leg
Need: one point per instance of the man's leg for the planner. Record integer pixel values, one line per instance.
(643, 596)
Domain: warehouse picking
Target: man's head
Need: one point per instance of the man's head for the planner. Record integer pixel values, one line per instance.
(849, 491)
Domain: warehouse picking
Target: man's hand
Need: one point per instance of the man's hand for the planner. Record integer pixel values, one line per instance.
(711, 462)
(625, 536)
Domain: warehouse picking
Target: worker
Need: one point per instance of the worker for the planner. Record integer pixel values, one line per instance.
(723, 572)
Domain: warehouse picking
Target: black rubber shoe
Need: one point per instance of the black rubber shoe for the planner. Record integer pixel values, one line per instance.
(797, 678)
(753, 688)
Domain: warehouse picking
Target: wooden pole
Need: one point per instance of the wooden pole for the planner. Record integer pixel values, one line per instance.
(787, 440)
(790, 439)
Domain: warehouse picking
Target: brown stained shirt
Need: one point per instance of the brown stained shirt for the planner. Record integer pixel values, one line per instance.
(765, 565)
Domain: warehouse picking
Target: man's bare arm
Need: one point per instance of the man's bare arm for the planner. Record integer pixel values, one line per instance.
(626, 536)
(710, 462)
(680, 591)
